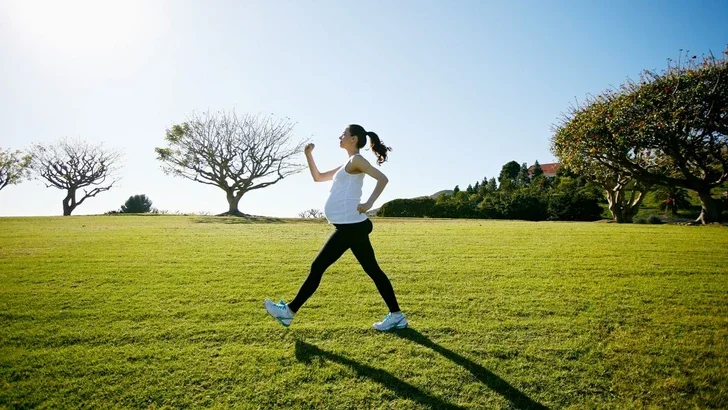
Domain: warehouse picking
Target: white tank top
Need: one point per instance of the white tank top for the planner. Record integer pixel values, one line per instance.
(344, 197)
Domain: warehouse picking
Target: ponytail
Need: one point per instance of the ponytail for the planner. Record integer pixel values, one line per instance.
(380, 150)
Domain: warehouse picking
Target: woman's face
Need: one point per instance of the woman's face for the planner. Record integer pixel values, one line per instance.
(346, 140)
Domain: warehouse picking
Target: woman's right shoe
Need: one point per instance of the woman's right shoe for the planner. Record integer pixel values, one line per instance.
(392, 321)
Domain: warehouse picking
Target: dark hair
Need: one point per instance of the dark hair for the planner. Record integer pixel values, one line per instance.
(380, 150)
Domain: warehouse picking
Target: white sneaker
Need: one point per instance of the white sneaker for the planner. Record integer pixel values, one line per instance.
(280, 311)
(391, 321)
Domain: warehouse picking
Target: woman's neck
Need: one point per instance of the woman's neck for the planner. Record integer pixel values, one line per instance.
(352, 152)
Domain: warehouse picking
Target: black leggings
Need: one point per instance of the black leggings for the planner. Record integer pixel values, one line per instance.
(356, 237)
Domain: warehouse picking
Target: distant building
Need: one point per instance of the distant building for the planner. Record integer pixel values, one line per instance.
(549, 170)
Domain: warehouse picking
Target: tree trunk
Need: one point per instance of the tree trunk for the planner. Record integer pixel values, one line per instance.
(615, 199)
(69, 202)
(709, 212)
(621, 208)
(615, 211)
(628, 212)
(233, 201)
(633, 206)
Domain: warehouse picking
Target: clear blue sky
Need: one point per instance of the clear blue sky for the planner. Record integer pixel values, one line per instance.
(458, 88)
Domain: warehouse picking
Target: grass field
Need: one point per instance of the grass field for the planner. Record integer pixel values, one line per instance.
(167, 312)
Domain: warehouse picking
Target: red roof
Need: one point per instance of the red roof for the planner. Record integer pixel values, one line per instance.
(548, 169)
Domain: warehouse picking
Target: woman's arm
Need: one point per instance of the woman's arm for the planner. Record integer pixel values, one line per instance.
(360, 164)
(317, 176)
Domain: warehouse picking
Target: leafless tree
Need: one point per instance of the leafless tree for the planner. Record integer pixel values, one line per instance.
(73, 165)
(14, 167)
(236, 153)
(311, 213)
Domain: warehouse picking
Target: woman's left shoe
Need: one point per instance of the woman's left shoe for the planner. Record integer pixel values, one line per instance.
(280, 311)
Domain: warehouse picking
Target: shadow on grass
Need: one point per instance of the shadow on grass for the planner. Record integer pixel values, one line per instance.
(485, 376)
(305, 352)
(236, 220)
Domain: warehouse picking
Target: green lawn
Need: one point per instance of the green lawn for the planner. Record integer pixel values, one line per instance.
(167, 312)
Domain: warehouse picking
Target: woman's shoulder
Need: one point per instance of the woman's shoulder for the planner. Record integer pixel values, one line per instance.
(358, 159)
(358, 163)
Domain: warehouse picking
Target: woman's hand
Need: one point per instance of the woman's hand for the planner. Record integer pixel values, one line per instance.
(363, 208)
(309, 147)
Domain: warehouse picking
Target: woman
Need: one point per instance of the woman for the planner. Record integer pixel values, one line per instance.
(344, 210)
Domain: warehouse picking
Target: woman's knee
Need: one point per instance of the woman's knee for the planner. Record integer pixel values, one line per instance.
(375, 272)
(319, 265)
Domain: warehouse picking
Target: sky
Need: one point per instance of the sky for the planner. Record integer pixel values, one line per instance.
(457, 88)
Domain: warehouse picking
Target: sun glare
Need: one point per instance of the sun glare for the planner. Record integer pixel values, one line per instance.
(76, 28)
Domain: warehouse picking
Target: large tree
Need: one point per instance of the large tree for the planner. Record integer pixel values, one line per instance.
(14, 167)
(573, 143)
(72, 165)
(670, 129)
(679, 119)
(236, 153)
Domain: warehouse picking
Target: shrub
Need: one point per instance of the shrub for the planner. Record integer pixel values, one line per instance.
(527, 206)
(574, 206)
(137, 204)
(416, 207)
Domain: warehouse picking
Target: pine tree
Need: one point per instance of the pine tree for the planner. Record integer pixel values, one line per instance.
(537, 170)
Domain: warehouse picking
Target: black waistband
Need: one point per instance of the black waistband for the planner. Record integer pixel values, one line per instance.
(353, 225)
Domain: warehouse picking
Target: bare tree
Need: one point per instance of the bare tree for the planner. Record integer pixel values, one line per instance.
(234, 153)
(14, 167)
(74, 165)
(311, 213)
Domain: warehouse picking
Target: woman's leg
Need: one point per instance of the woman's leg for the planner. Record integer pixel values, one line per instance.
(364, 253)
(332, 250)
